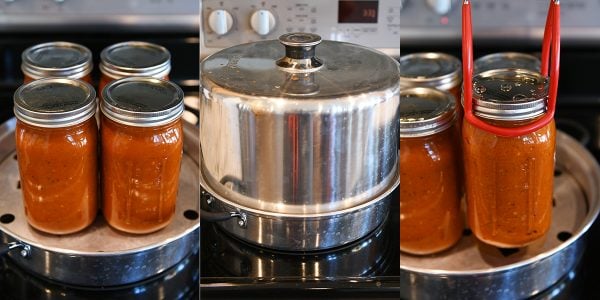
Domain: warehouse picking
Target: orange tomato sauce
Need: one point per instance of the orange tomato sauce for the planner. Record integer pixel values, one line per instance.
(430, 192)
(58, 169)
(140, 174)
(509, 184)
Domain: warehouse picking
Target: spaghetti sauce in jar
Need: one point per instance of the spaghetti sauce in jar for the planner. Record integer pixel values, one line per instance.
(131, 59)
(430, 179)
(56, 142)
(509, 180)
(57, 59)
(142, 146)
(434, 70)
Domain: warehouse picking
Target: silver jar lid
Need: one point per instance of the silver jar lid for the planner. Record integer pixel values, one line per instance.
(129, 59)
(425, 111)
(507, 60)
(55, 102)
(437, 70)
(56, 59)
(300, 66)
(509, 94)
(142, 101)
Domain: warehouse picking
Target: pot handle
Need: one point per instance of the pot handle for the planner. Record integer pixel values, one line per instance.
(25, 249)
(210, 216)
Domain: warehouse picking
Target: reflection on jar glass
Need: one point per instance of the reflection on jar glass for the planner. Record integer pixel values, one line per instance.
(142, 145)
(56, 141)
(57, 59)
(430, 171)
(509, 180)
(131, 59)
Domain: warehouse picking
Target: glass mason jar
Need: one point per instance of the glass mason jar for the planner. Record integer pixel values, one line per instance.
(430, 171)
(509, 180)
(56, 141)
(507, 60)
(142, 145)
(434, 70)
(57, 59)
(131, 59)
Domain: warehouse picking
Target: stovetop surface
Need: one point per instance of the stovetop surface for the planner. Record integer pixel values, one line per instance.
(365, 269)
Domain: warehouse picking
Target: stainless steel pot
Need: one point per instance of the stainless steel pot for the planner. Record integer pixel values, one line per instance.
(292, 130)
(98, 255)
(473, 270)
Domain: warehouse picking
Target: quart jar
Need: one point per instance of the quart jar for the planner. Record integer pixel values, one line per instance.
(430, 176)
(435, 70)
(142, 145)
(507, 60)
(56, 142)
(57, 59)
(509, 180)
(131, 59)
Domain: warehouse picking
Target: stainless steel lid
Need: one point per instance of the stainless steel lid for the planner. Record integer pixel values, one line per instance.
(142, 101)
(134, 58)
(299, 65)
(425, 111)
(57, 59)
(507, 60)
(431, 69)
(55, 102)
(509, 94)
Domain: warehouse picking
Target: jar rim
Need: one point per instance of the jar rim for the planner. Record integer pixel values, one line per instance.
(425, 111)
(509, 94)
(38, 61)
(438, 70)
(142, 101)
(135, 58)
(55, 102)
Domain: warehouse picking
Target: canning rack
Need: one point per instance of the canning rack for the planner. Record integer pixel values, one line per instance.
(550, 45)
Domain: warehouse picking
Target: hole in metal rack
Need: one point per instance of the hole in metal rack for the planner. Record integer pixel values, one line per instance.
(563, 236)
(15, 156)
(19, 185)
(191, 214)
(467, 232)
(7, 218)
(557, 172)
(553, 202)
(508, 251)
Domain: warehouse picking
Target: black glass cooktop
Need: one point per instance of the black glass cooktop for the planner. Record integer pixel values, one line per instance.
(366, 269)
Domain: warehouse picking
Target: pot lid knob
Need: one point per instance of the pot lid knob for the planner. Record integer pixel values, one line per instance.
(299, 53)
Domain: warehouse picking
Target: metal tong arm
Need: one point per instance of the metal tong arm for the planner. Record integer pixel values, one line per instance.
(551, 41)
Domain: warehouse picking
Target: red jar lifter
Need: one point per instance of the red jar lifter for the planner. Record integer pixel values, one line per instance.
(551, 39)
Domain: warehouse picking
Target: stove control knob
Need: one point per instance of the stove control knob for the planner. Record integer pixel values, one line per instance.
(440, 7)
(262, 21)
(220, 21)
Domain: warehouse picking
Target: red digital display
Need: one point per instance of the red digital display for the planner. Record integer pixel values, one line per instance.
(357, 11)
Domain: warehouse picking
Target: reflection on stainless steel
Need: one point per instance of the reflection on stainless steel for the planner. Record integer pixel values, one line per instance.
(299, 156)
(304, 153)
(99, 255)
(177, 282)
(366, 257)
(303, 232)
(270, 143)
(474, 270)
